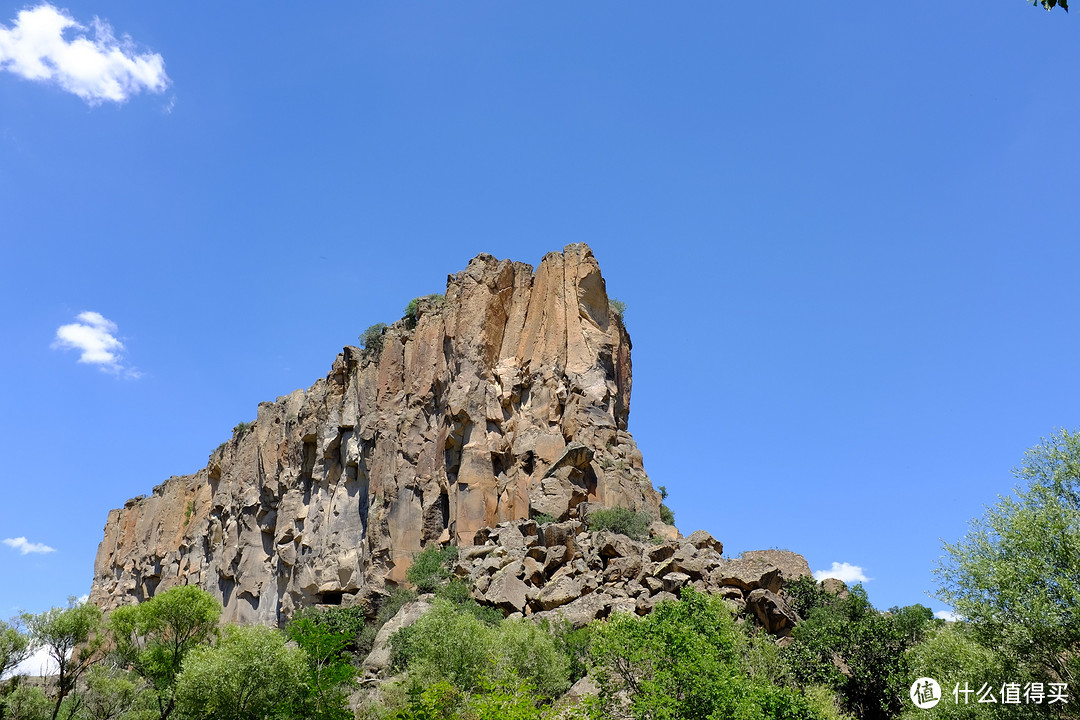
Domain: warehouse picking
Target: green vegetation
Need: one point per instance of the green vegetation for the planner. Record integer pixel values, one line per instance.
(372, 339)
(683, 661)
(154, 637)
(634, 525)
(1050, 4)
(250, 673)
(1016, 576)
(544, 519)
(431, 567)
(450, 644)
(242, 428)
(1014, 579)
(412, 309)
(618, 307)
(72, 638)
(854, 650)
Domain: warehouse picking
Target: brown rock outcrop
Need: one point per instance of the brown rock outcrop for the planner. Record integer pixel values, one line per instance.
(508, 398)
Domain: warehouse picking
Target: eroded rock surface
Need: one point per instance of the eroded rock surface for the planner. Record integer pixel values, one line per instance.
(560, 571)
(508, 399)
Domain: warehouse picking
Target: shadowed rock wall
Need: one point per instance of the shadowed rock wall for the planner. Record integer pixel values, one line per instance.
(508, 399)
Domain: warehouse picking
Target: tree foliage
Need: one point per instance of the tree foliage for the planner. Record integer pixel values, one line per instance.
(72, 639)
(858, 652)
(1051, 4)
(14, 646)
(251, 674)
(1016, 575)
(682, 661)
(155, 636)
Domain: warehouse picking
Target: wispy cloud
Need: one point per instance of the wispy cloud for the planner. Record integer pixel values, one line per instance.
(25, 547)
(947, 615)
(842, 571)
(95, 337)
(96, 65)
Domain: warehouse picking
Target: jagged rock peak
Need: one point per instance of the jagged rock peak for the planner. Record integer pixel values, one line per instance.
(507, 399)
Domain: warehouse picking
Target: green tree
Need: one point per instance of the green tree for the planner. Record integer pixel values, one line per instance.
(683, 661)
(251, 674)
(1050, 4)
(27, 702)
(951, 655)
(330, 671)
(1016, 575)
(14, 647)
(72, 638)
(858, 652)
(372, 339)
(155, 636)
(107, 694)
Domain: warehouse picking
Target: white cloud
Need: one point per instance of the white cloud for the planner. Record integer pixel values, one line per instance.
(39, 664)
(947, 615)
(842, 571)
(24, 546)
(94, 336)
(98, 68)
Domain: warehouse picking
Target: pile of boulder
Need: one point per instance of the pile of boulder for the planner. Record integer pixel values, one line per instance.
(560, 571)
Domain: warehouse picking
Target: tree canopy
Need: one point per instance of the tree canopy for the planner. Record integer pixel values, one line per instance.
(1016, 575)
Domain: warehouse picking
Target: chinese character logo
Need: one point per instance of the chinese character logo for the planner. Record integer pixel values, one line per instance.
(925, 693)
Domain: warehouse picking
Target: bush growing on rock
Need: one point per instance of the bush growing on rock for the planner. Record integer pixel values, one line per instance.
(634, 525)
(431, 567)
(372, 339)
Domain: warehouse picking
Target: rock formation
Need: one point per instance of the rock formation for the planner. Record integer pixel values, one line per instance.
(504, 400)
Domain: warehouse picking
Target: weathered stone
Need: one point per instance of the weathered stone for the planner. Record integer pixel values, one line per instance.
(379, 657)
(701, 540)
(660, 553)
(623, 568)
(515, 378)
(772, 611)
(582, 611)
(506, 591)
(646, 603)
(792, 566)
(675, 580)
(663, 530)
(747, 575)
(835, 586)
(558, 593)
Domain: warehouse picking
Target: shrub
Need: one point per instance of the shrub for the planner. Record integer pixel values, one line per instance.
(666, 515)
(634, 525)
(431, 567)
(544, 519)
(618, 307)
(683, 661)
(251, 673)
(412, 309)
(388, 608)
(372, 339)
(449, 643)
(347, 622)
(242, 428)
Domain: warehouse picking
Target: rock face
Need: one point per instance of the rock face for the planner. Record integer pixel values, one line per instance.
(561, 571)
(508, 399)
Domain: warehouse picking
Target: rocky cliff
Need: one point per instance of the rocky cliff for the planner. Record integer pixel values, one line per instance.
(504, 400)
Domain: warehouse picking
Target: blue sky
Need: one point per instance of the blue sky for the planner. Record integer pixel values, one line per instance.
(846, 234)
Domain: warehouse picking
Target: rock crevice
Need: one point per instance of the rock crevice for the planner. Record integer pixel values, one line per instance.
(509, 398)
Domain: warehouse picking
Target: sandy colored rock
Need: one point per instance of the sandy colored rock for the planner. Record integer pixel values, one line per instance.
(514, 391)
